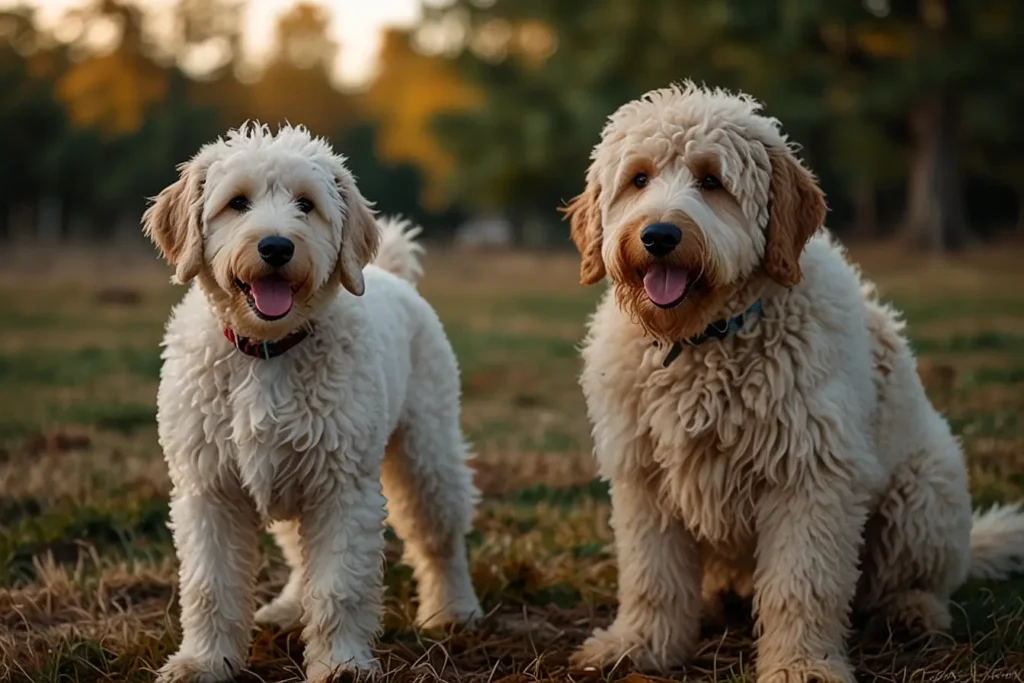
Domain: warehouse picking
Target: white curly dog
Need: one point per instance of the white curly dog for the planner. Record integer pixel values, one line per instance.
(298, 381)
(757, 410)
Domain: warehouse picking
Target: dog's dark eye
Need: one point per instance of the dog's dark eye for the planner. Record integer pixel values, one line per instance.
(710, 182)
(305, 205)
(640, 180)
(239, 203)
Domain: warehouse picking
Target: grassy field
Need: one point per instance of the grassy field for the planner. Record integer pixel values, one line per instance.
(87, 575)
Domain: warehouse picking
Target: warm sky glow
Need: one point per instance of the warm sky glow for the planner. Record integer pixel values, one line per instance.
(356, 26)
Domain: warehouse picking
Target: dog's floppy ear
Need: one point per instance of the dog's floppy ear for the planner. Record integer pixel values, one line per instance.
(584, 213)
(796, 212)
(360, 236)
(174, 221)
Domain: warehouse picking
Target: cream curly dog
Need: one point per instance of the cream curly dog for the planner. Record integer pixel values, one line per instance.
(291, 367)
(756, 409)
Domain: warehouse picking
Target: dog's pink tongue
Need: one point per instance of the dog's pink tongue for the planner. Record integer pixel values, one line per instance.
(272, 295)
(665, 284)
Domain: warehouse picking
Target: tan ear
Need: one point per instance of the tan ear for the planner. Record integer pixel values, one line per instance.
(360, 235)
(584, 213)
(174, 221)
(797, 211)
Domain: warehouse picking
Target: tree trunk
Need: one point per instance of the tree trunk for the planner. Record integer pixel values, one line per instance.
(935, 218)
(865, 209)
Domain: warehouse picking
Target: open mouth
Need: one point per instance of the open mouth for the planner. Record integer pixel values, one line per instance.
(667, 286)
(269, 297)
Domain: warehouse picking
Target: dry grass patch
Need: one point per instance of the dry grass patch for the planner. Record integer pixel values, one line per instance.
(87, 572)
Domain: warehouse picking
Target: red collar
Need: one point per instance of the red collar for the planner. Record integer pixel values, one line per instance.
(265, 350)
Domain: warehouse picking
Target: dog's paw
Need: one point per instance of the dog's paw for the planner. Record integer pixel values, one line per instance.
(367, 669)
(283, 613)
(341, 661)
(181, 668)
(606, 650)
(914, 613)
(465, 612)
(808, 671)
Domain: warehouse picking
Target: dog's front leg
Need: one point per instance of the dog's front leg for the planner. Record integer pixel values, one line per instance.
(342, 532)
(658, 620)
(215, 535)
(809, 540)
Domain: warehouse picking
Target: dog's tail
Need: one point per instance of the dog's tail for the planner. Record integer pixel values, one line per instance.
(997, 542)
(399, 253)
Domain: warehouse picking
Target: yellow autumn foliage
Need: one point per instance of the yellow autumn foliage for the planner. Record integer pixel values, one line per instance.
(111, 92)
(411, 88)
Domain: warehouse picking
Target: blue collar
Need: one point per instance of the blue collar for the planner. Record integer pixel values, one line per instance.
(720, 329)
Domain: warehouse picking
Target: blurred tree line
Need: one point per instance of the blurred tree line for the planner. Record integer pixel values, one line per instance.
(96, 114)
(908, 110)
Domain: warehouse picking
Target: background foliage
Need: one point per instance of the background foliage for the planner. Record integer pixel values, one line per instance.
(907, 109)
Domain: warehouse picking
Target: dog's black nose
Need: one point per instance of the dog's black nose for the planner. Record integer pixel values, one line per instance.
(276, 251)
(660, 238)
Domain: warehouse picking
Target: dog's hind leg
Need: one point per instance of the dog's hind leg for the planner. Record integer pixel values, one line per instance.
(285, 611)
(917, 543)
(917, 540)
(429, 486)
(431, 498)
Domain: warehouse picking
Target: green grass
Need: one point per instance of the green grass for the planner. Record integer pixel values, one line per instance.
(69, 368)
(87, 570)
(983, 341)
